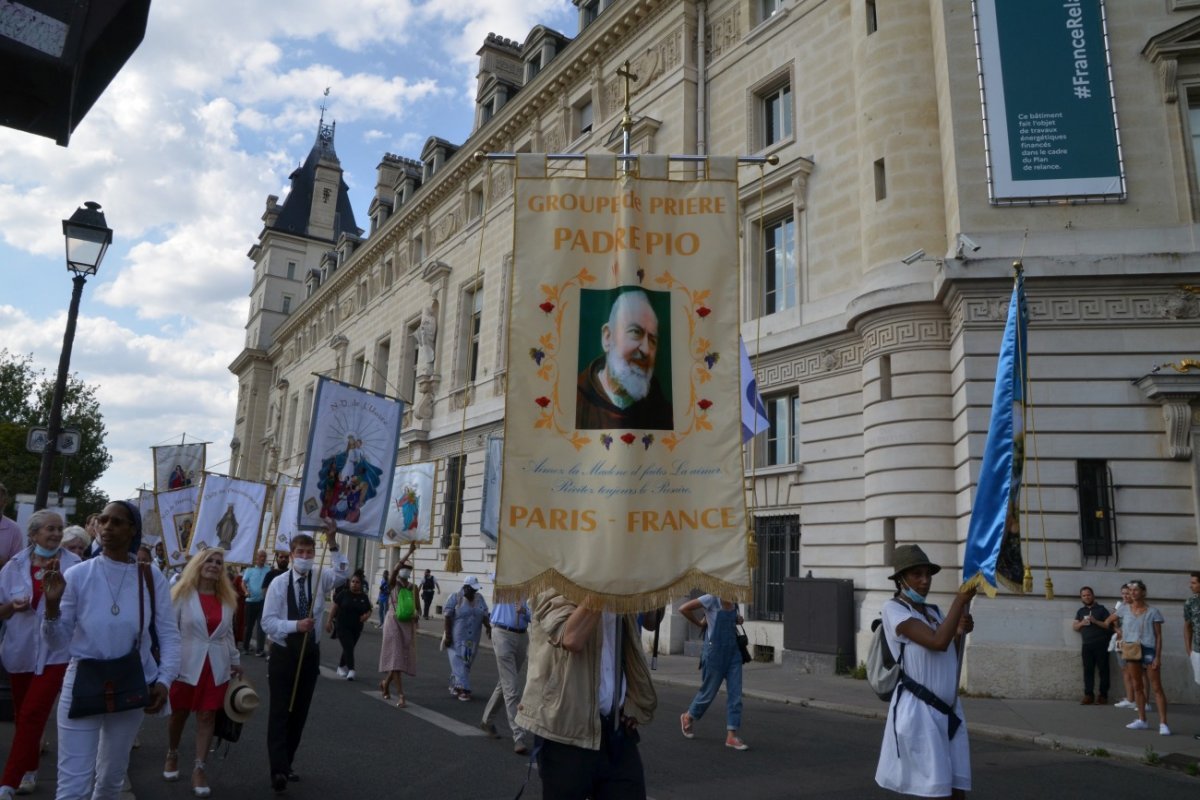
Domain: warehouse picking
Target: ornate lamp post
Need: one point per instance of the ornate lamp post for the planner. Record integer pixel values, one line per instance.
(88, 238)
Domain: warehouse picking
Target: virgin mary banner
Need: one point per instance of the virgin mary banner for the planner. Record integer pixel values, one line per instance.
(230, 517)
(285, 527)
(151, 527)
(177, 516)
(622, 479)
(177, 466)
(352, 444)
(410, 512)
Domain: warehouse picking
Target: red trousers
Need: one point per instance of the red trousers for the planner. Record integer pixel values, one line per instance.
(33, 698)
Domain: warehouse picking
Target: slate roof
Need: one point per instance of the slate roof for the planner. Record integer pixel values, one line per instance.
(293, 217)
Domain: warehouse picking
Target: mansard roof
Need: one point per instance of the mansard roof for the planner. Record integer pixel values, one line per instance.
(294, 214)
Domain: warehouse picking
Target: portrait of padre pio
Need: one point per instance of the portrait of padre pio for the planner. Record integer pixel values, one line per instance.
(624, 360)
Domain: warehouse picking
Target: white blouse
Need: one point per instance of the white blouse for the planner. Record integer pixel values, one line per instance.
(24, 649)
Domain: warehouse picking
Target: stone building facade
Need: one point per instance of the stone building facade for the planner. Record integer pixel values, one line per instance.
(876, 360)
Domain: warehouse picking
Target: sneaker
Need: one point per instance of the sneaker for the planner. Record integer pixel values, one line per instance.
(349, 674)
(735, 743)
(490, 730)
(341, 672)
(1125, 703)
(28, 783)
(685, 726)
(464, 695)
(6, 793)
(1138, 725)
(1163, 730)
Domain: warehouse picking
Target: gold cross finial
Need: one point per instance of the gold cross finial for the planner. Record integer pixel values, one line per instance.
(625, 72)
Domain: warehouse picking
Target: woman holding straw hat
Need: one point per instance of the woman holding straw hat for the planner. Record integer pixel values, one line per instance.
(205, 603)
(925, 750)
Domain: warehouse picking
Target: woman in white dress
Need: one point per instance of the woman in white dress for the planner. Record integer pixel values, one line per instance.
(925, 750)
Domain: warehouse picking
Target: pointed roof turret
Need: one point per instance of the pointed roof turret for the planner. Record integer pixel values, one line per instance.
(304, 210)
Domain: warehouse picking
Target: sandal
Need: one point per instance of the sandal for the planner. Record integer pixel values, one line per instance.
(171, 766)
(685, 725)
(400, 701)
(200, 787)
(385, 690)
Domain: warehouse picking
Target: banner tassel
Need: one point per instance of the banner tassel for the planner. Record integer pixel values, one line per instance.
(1027, 582)
(454, 556)
(751, 549)
(1049, 589)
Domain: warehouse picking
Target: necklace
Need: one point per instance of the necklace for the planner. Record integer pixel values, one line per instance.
(116, 608)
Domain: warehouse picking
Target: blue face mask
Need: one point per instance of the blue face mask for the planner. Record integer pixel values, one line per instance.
(911, 594)
(44, 552)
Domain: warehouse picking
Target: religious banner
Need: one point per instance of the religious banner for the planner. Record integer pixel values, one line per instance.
(177, 516)
(410, 513)
(489, 515)
(177, 466)
(285, 526)
(352, 445)
(622, 479)
(229, 516)
(151, 527)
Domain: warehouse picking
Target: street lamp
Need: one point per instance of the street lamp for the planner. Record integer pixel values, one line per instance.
(88, 238)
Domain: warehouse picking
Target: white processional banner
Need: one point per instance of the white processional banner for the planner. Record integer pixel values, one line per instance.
(177, 516)
(178, 466)
(285, 525)
(410, 512)
(229, 516)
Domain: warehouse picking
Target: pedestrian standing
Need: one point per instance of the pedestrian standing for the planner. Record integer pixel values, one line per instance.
(1191, 628)
(1141, 629)
(466, 615)
(252, 579)
(720, 662)
(1091, 622)
(1114, 646)
(293, 603)
(429, 587)
(398, 652)
(382, 600)
(35, 669)
(350, 611)
(925, 751)
(510, 644)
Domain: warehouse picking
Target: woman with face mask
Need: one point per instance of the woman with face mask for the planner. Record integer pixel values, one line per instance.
(398, 653)
(350, 611)
(466, 614)
(925, 750)
(35, 668)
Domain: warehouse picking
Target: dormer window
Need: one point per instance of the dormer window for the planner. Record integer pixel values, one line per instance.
(532, 67)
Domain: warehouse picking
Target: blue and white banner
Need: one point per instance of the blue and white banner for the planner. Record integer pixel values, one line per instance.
(754, 413)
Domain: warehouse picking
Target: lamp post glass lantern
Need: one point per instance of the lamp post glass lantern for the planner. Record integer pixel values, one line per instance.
(88, 237)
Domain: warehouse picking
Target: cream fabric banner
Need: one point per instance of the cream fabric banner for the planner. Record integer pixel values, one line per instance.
(622, 480)
(229, 516)
(177, 516)
(178, 466)
(410, 512)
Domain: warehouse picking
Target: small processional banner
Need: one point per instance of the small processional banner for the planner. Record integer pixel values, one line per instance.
(285, 519)
(410, 512)
(178, 466)
(151, 527)
(177, 516)
(622, 479)
(229, 516)
(352, 445)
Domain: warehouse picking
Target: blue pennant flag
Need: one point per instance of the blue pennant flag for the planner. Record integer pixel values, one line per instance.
(754, 413)
(994, 536)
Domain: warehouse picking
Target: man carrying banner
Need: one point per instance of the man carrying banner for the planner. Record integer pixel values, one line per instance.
(581, 659)
(293, 602)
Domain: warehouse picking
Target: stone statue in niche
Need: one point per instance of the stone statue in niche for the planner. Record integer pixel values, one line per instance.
(427, 339)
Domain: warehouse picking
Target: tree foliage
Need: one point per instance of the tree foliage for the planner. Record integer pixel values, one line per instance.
(25, 395)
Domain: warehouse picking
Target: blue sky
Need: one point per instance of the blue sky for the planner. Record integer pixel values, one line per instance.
(209, 116)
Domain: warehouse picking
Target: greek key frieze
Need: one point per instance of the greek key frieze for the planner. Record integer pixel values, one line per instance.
(906, 334)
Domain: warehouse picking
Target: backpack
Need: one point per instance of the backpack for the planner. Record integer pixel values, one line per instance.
(883, 671)
(406, 606)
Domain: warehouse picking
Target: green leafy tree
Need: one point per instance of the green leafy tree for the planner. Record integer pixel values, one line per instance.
(25, 395)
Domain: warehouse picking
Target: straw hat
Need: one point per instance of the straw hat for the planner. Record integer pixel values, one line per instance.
(240, 699)
(908, 556)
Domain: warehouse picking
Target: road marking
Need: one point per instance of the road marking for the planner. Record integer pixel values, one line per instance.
(441, 720)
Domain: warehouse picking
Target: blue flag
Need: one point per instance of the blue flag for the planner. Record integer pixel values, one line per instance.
(994, 536)
(754, 413)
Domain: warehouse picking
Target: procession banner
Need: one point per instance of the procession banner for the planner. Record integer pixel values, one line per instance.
(151, 526)
(177, 466)
(352, 445)
(622, 479)
(177, 515)
(754, 412)
(285, 526)
(993, 550)
(229, 516)
(489, 515)
(410, 511)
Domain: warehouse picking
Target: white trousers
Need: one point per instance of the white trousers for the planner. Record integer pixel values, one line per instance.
(93, 748)
(511, 649)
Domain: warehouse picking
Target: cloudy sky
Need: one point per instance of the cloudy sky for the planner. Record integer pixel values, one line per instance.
(208, 117)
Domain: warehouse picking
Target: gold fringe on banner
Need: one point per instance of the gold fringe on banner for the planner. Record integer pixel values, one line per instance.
(623, 604)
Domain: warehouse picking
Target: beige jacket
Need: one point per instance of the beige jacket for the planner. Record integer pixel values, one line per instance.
(559, 702)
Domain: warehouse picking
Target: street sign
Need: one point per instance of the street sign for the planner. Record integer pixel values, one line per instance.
(68, 441)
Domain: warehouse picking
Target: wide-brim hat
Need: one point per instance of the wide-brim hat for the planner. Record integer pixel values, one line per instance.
(240, 699)
(908, 556)
(473, 582)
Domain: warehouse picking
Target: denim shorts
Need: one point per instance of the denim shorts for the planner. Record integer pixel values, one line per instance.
(1147, 655)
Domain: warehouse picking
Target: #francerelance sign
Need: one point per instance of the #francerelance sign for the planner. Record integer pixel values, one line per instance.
(622, 478)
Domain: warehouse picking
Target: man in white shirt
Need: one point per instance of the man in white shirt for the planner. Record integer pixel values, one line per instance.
(293, 602)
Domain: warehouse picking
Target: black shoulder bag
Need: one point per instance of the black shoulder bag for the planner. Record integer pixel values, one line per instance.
(109, 685)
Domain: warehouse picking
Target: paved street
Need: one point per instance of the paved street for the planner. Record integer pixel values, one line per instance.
(356, 745)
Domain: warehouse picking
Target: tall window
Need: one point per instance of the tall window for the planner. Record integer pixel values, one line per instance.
(381, 366)
(358, 371)
(779, 273)
(309, 391)
(776, 114)
(453, 509)
(1097, 520)
(408, 385)
(291, 270)
(584, 117)
(780, 443)
(769, 8)
(778, 540)
(287, 304)
(473, 300)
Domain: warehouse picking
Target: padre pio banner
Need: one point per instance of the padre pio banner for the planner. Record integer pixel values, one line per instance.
(289, 512)
(229, 516)
(177, 466)
(352, 445)
(177, 516)
(151, 527)
(410, 512)
(622, 479)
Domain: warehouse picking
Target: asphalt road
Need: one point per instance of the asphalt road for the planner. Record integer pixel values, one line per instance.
(358, 746)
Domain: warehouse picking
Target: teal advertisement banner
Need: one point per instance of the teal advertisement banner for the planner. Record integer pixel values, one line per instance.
(1049, 115)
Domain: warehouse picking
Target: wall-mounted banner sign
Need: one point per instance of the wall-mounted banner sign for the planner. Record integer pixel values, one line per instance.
(1050, 118)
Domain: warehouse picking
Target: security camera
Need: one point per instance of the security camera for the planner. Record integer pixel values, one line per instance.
(913, 257)
(965, 243)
